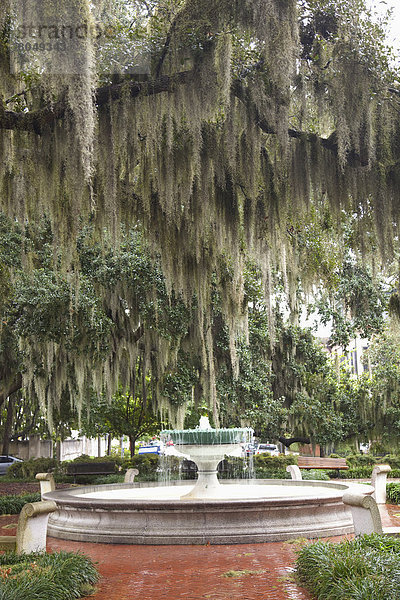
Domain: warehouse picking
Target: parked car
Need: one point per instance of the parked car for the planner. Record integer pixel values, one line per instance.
(271, 449)
(7, 461)
(155, 447)
(249, 449)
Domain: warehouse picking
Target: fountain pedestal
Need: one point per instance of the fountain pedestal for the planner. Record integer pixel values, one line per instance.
(207, 447)
(207, 459)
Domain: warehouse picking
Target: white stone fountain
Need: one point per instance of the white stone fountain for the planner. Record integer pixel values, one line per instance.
(210, 512)
(207, 447)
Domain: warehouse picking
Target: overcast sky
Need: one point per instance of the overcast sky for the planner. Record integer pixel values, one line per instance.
(382, 6)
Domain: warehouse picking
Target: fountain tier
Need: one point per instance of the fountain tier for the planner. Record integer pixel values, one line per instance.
(207, 447)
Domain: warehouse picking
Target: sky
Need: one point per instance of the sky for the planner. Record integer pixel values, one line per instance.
(381, 6)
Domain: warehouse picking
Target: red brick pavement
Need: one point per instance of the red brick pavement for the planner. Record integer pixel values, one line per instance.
(237, 572)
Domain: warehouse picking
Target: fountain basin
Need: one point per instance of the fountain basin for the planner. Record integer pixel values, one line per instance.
(245, 512)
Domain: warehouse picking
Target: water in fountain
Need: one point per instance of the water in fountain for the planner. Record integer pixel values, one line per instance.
(207, 447)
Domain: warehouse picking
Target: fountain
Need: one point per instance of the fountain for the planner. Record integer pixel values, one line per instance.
(228, 512)
(207, 447)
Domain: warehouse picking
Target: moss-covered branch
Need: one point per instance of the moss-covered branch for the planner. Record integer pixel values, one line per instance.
(37, 121)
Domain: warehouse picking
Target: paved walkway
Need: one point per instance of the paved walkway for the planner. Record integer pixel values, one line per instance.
(237, 572)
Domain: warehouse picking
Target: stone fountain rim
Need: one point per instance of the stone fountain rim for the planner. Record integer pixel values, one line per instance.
(67, 497)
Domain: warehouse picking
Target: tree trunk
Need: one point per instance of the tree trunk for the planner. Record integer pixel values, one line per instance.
(132, 446)
(109, 440)
(8, 426)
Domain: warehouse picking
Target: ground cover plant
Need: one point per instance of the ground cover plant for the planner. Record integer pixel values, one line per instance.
(12, 504)
(364, 568)
(57, 576)
(393, 493)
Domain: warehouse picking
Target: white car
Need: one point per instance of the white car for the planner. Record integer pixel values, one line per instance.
(271, 449)
(7, 461)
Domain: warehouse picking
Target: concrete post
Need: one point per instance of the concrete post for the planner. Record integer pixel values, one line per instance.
(365, 512)
(46, 481)
(378, 481)
(130, 475)
(295, 472)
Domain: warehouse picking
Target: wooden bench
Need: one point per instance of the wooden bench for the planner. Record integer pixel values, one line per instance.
(91, 468)
(31, 529)
(315, 462)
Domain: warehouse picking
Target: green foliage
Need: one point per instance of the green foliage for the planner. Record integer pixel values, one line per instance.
(28, 468)
(124, 414)
(319, 474)
(360, 569)
(146, 464)
(12, 505)
(357, 306)
(61, 575)
(393, 493)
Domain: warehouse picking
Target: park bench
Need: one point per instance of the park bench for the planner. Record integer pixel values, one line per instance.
(90, 468)
(31, 529)
(315, 462)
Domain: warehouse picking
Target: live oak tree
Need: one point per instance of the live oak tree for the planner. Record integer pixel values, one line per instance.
(246, 113)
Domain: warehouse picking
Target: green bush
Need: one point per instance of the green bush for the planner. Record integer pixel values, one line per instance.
(319, 474)
(12, 505)
(56, 576)
(29, 468)
(147, 465)
(364, 472)
(365, 568)
(107, 479)
(393, 493)
(274, 463)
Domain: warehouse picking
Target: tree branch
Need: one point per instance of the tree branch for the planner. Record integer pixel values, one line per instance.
(37, 121)
(14, 386)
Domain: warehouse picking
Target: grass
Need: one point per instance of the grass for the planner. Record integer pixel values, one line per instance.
(41, 576)
(12, 505)
(366, 568)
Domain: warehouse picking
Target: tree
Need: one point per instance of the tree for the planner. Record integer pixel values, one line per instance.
(242, 114)
(125, 415)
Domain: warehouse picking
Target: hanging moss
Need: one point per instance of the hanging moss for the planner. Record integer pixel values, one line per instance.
(212, 171)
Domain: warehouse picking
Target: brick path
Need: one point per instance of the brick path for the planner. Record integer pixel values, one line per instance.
(236, 572)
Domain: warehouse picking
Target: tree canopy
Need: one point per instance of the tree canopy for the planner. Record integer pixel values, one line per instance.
(212, 130)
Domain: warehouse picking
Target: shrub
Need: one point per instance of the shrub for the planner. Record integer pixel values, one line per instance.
(147, 464)
(12, 505)
(274, 463)
(360, 569)
(107, 479)
(60, 575)
(393, 493)
(319, 474)
(29, 468)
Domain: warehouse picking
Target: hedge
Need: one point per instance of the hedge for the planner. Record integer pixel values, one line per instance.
(365, 568)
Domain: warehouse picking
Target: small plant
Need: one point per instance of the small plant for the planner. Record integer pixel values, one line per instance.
(56, 576)
(28, 469)
(393, 493)
(12, 505)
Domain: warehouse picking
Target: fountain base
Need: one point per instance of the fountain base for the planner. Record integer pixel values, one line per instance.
(270, 510)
